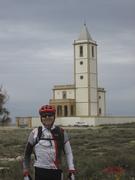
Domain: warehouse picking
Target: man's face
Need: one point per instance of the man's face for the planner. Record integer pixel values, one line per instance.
(47, 121)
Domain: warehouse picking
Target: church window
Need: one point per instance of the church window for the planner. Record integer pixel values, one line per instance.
(81, 77)
(64, 94)
(81, 51)
(92, 51)
(59, 111)
(99, 97)
(72, 110)
(100, 111)
(65, 111)
(81, 62)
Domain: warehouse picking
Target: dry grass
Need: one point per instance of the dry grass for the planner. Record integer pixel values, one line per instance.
(94, 149)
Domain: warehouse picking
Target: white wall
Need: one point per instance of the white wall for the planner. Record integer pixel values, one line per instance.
(93, 108)
(93, 80)
(82, 95)
(93, 95)
(82, 109)
(93, 66)
(91, 121)
(81, 68)
(113, 120)
(82, 82)
(94, 121)
(69, 92)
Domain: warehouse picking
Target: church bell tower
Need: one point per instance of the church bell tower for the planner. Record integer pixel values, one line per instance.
(85, 74)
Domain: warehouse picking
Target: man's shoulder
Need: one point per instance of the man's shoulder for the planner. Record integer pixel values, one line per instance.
(34, 132)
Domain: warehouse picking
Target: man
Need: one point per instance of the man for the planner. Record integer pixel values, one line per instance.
(48, 142)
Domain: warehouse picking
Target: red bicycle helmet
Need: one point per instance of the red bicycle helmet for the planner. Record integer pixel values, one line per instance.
(47, 110)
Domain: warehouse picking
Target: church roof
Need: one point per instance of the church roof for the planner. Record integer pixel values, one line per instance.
(85, 35)
(68, 86)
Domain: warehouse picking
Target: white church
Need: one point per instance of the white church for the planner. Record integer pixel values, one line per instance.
(84, 97)
(82, 102)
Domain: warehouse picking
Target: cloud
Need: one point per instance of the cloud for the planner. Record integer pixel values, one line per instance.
(36, 50)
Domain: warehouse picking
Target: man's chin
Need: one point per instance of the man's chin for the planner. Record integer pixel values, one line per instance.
(48, 126)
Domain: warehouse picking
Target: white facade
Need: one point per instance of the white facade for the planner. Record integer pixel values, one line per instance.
(67, 93)
(64, 100)
(85, 60)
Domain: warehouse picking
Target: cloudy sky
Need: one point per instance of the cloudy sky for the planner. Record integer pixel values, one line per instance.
(36, 50)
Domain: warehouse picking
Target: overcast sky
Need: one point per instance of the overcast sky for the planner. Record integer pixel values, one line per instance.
(36, 50)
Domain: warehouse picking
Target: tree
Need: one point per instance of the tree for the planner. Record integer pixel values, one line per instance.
(4, 113)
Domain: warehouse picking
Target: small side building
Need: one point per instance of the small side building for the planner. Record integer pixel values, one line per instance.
(65, 104)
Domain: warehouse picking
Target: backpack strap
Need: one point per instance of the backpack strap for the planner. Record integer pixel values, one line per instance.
(58, 134)
(39, 134)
